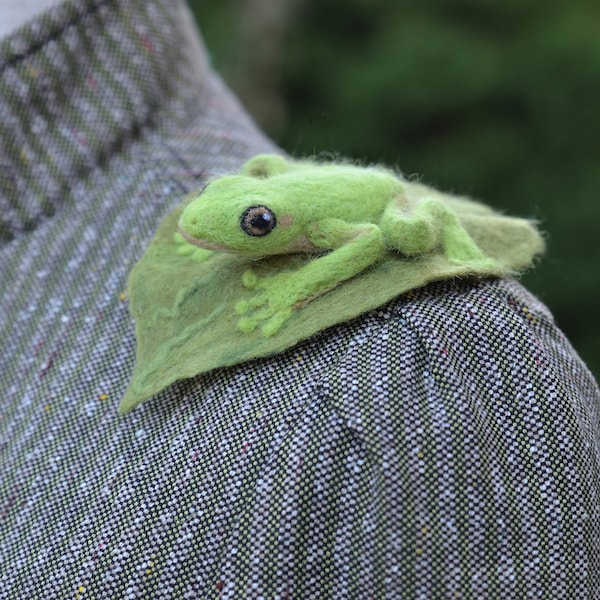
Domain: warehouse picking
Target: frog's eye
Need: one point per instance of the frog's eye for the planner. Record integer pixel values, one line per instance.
(258, 220)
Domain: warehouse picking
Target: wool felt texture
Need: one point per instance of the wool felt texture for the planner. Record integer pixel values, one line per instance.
(347, 249)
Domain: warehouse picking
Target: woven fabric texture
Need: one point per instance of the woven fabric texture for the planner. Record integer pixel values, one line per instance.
(446, 445)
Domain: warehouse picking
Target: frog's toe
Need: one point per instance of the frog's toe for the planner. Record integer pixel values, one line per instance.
(275, 323)
(179, 240)
(475, 264)
(271, 318)
(247, 324)
(244, 306)
(485, 264)
(250, 279)
(185, 250)
(200, 254)
(182, 247)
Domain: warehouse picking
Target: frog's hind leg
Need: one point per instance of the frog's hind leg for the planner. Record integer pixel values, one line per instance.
(457, 244)
(431, 225)
(410, 233)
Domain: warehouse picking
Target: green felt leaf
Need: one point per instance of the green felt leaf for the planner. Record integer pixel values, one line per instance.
(184, 299)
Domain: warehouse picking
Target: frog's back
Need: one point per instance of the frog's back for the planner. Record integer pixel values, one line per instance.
(344, 191)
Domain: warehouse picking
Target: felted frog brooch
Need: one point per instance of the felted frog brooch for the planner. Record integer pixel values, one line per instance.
(259, 260)
(347, 216)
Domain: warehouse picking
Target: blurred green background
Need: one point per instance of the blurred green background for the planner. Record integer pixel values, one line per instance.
(497, 99)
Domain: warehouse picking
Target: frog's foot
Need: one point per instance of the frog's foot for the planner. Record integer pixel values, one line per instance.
(269, 307)
(458, 246)
(271, 318)
(484, 264)
(184, 248)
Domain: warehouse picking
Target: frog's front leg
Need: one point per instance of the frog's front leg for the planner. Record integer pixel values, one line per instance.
(353, 249)
(429, 224)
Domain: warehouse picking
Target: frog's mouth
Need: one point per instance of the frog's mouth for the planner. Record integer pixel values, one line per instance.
(203, 243)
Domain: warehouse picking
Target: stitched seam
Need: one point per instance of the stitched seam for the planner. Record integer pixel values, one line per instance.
(318, 394)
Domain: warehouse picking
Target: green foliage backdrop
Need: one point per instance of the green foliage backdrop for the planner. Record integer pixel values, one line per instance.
(496, 99)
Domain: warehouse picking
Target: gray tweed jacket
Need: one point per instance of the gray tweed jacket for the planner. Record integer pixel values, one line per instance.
(446, 445)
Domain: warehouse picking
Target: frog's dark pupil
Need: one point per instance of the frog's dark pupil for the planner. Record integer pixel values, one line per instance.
(258, 220)
(262, 221)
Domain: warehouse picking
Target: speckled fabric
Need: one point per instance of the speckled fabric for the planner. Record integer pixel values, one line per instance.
(446, 445)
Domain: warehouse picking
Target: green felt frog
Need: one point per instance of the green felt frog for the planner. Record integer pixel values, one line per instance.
(296, 247)
(347, 216)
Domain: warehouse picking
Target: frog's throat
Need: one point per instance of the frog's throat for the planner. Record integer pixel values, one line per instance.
(300, 245)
